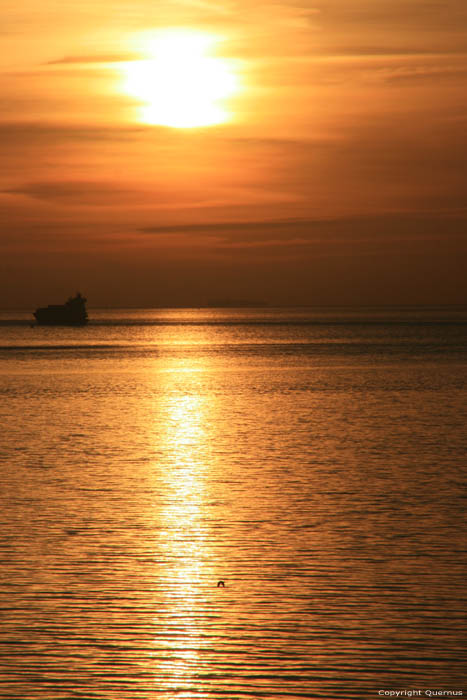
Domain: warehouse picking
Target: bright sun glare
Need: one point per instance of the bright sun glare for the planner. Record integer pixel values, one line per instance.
(181, 83)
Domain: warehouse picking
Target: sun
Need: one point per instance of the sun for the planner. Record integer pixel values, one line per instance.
(182, 83)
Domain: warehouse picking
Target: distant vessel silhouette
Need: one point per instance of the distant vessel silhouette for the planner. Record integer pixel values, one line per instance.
(71, 313)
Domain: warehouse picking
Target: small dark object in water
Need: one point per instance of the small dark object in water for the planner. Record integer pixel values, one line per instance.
(72, 313)
(220, 584)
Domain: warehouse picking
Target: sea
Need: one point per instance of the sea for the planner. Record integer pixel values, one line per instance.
(228, 504)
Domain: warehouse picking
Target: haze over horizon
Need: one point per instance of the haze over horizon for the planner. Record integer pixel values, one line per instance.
(315, 153)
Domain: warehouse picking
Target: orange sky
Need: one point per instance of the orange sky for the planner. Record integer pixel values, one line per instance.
(340, 176)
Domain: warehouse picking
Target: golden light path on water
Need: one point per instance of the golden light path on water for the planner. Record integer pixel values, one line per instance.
(182, 83)
(183, 538)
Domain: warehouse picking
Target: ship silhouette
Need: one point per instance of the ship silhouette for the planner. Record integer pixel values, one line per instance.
(71, 313)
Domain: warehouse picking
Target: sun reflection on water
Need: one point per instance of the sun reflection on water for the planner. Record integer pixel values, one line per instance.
(183, 543)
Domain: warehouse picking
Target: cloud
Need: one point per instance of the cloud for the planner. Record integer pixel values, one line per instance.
(85, 192)
(413, 69)
(13, 133)
(423, 73)
(123, 196)
(95, 58)
(386, 226)
(391, 50)
(427, 14)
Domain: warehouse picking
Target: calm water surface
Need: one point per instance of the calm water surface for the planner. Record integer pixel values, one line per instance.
(312, 460)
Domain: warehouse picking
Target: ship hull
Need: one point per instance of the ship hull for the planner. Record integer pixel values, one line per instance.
(47, 319)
